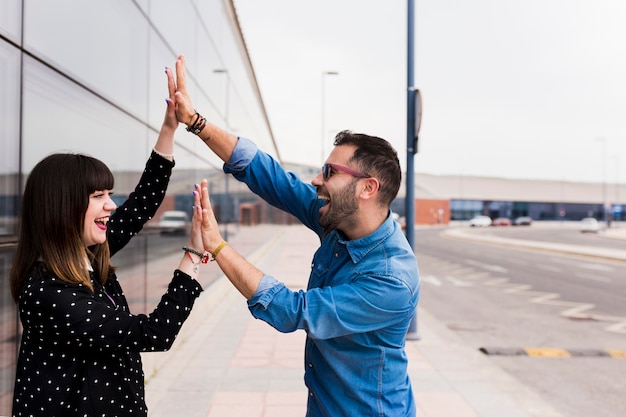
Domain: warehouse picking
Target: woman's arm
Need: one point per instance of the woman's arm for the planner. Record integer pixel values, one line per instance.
(144, 201)
(164, 145)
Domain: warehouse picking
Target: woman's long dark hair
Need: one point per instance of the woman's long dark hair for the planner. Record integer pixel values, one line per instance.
(52, 219)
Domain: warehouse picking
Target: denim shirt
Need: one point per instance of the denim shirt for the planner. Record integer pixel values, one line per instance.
(356, 311)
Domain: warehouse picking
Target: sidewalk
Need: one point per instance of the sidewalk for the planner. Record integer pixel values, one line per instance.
(227, 364)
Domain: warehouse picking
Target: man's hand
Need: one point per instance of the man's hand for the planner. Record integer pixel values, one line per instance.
(211, 237)
(184, 109)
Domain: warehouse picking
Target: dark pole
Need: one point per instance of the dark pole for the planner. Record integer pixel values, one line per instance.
(414, 109)
(410, 131)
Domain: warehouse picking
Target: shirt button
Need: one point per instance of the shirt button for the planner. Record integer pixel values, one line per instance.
(336, 255)
(311, 394)
(310, 365)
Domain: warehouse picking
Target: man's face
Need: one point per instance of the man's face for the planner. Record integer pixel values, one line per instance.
(338, 188)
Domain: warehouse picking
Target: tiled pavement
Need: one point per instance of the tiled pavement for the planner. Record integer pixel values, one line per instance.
(227, 364)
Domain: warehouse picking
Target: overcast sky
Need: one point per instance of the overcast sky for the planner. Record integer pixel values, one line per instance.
(517, 89)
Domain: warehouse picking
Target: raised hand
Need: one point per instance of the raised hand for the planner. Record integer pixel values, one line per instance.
(184, 109)
(211, 237)
(195, 235)
(170, 119)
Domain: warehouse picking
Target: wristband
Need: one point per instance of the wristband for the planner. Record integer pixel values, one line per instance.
(218, 249)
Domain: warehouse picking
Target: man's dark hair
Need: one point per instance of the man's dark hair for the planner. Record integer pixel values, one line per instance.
(377, 158)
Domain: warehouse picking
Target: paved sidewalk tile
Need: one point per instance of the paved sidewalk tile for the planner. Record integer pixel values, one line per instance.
(225, 363)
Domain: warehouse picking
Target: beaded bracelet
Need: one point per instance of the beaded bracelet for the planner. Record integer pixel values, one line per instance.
(204, 257)
(197, 124)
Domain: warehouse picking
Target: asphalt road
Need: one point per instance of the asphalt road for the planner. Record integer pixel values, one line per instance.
(506, 297)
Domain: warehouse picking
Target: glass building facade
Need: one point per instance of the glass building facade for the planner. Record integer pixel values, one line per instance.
(87, 76)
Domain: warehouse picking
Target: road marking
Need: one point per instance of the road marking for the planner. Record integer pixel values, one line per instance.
(459, 282)
(554, 352)
(488, 267)
(597, 267)
(547, 352)
(431, 280)
(569, 309)
(550, 268)
(593, 277)
(617, 353)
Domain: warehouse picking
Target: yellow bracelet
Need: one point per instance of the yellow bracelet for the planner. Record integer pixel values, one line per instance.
(218, 249)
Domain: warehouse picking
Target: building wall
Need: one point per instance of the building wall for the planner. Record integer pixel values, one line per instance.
(429, 212)
(88, 76)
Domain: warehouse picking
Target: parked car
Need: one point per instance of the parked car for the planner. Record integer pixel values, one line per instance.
(589, 225)
(522, 221)
(480, 221)
(501, 221)
(174, 222)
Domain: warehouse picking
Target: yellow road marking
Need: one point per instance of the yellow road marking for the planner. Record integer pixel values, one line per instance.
(546, 352)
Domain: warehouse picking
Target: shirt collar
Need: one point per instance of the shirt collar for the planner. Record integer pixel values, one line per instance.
(358, 248)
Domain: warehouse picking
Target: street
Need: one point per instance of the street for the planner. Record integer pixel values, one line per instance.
(506, 297)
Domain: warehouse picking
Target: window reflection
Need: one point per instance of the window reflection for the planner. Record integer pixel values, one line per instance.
(9, 132)
(10, 21)
(88, 77)
(8, 333)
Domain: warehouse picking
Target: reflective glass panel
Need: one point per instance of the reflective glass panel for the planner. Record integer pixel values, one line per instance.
(9, 132)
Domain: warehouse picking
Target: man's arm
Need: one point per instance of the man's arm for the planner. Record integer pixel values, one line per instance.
(217, 139)
(241, 273)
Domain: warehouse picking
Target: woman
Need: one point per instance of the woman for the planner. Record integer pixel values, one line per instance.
(80, 348)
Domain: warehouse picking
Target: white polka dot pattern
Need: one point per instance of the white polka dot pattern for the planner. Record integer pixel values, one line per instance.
(79, 353)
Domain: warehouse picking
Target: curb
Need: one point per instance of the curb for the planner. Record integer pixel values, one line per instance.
(552, 352)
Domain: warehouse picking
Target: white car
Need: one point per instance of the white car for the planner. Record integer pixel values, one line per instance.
(174, 222)
(589, 225)
(480, 221)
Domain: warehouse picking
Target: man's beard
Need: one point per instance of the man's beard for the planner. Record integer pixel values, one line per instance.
(342, 206)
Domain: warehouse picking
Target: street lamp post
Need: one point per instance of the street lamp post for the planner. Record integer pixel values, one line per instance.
(324, 74)
(226, 192)
(604, 217)
(617, 204)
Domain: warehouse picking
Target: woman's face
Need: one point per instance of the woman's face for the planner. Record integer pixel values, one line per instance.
(97, 216)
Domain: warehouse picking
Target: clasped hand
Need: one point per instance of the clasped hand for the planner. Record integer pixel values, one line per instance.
(205, 233)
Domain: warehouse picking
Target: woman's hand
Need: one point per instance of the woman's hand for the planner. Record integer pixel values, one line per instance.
(165, 141)
(170, 121)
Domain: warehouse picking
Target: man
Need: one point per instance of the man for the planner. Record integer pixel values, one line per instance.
(364, 284)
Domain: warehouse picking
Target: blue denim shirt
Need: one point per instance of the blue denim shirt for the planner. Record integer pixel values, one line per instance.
(356, 311)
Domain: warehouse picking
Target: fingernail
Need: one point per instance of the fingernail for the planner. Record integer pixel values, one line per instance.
(168, 101)
(196, 185)
(166, 70)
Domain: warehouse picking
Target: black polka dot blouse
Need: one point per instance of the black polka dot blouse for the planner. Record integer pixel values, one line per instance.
(79, 352)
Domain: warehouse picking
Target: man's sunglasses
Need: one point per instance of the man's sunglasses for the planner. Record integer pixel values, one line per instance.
(327, 171)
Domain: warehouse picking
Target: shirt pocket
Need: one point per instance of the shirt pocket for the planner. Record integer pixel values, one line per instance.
(319, 272)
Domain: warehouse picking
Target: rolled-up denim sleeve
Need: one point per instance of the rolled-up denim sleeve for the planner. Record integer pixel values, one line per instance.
(268, 287)
(244, 152)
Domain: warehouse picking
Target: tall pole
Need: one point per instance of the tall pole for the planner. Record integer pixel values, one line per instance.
(412, 129)
(604, 200)
(323, 113)
(227, 214)
(604, 216)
